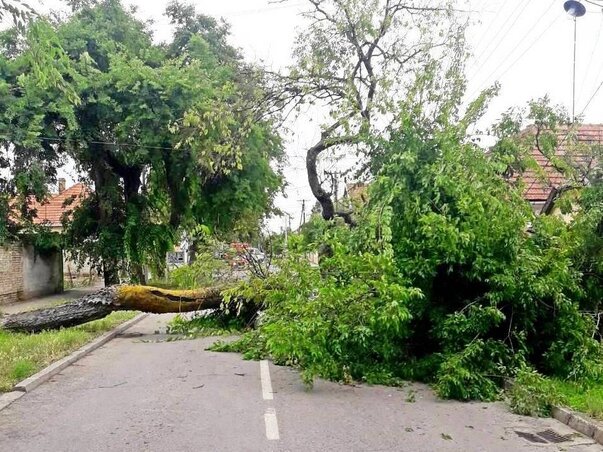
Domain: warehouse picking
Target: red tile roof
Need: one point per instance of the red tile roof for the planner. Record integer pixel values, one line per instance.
(51, 211)
(540, 183)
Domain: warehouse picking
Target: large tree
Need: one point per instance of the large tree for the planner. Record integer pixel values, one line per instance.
(168, 135)
(354, 62)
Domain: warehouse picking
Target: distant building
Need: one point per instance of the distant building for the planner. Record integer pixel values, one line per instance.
(27, 273)
(544, 184)
(53, 210)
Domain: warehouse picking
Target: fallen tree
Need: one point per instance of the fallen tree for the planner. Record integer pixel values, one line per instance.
(115, 298)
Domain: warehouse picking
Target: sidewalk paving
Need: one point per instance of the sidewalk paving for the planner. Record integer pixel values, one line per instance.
(47, 301)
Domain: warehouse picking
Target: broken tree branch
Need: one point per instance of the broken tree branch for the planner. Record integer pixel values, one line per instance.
(115, 298)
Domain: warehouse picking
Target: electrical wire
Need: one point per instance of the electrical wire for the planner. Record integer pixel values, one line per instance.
(67, 140)
(521, 40)
(262, 10)
(500, 41)
(538, 38)
(590, 60)
(487, 29)
(591, 98)
(532, 44)
(495, 36)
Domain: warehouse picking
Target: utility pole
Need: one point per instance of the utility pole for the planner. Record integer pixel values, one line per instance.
(303, 213)
(287, 227)
(575, 9)
(574, 73)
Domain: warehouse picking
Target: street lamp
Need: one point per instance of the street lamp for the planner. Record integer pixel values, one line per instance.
(575, 9)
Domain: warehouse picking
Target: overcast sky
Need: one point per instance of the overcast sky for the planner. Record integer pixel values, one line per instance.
(527, 45)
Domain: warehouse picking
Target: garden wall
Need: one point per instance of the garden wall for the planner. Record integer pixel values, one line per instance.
(25, 274)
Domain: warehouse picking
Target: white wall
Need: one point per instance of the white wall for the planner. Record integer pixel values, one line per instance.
(42, 272)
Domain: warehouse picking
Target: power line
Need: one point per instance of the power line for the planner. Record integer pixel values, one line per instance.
(495, 36)
(68, 140)
(591, 98)
(262, 10)
(597, 77)
(590, 60)
(516, 18)
(483, 36)
(533, 43)
(521, 40)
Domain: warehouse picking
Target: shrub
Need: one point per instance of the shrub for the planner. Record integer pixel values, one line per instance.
(532, 395)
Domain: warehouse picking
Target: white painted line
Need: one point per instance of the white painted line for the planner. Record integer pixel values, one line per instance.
(265, 378)
(271, 424)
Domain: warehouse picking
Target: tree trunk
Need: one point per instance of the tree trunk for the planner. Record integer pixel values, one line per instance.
(110, 272)
(139, 274)
(324, 198)
(116, 298)
(192, 251)
(328, 207)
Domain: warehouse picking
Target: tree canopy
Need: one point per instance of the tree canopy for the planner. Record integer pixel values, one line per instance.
(448, 277)
(355, 61)
(168, 135)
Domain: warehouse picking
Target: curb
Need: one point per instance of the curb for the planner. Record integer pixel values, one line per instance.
(579, 422)
(47, 373)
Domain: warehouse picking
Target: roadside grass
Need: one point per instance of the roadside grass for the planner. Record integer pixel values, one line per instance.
(22, 355)
(585, 398)
(531, 394)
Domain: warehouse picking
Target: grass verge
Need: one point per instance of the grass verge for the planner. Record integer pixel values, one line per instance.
(585, 398)
(534, 395)
(22, 355)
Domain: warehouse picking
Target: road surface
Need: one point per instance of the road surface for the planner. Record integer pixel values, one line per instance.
(143, 392)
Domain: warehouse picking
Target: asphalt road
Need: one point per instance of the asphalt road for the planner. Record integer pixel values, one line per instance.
(141, 392)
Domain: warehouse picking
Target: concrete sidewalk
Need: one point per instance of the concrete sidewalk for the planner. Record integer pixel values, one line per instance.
(146, 392)
(47, 301)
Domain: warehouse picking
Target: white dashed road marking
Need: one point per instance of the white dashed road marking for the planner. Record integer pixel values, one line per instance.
(270, 414)
(266, 383)
(271, 424)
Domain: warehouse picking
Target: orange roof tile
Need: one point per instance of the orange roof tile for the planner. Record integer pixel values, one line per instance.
(51, 211)
(539, 184)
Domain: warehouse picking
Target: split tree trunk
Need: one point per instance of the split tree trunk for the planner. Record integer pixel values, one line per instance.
(116, 298)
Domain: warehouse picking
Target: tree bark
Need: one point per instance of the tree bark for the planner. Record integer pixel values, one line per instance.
(116, 298)
(322, 196)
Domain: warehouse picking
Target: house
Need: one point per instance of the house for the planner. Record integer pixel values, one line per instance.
(52, 211)
(544, 183)
(24, 271)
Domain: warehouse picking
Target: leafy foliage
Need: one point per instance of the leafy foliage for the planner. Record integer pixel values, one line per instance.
(207, 270)
(441, 279)
(171, 136)
(532, 394)
(213, 324)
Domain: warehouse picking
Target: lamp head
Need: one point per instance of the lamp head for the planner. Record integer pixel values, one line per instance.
(574, 8)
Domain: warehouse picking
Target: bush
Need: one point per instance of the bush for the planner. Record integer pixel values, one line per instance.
(532, 395)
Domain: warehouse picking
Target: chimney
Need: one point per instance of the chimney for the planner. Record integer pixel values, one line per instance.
(61, 185)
